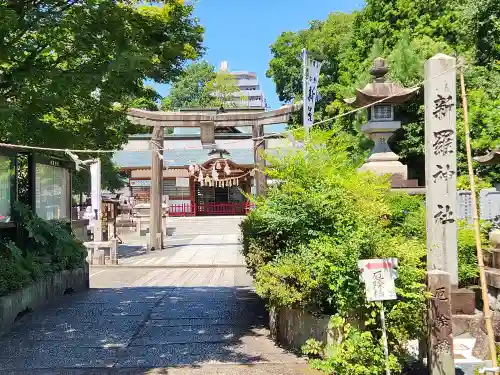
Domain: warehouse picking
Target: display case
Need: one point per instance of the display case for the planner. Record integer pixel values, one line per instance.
(52, 188)
(8, 191)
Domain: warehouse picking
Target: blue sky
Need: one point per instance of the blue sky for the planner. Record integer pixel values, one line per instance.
(242, 31)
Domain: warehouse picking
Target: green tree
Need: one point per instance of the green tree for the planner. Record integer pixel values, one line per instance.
(190, 89)
(406, 33)
(224, 91)
(70, 69)
(201, 87)
(326, 38)
(483, 19)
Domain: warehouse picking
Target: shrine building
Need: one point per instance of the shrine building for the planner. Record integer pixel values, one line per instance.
(184, 159)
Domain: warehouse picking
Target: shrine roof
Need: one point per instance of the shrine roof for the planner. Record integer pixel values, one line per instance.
(491, 158)
(180, 158)
(381, 88)
(376, 91)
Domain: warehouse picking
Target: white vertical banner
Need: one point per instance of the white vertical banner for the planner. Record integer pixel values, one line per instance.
(95, 193)
(311, 70)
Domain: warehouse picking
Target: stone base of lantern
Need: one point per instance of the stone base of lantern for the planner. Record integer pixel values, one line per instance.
(394, 168)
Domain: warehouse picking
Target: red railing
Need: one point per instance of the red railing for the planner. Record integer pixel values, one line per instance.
(209, 209)
(184, 209)
(214, 209)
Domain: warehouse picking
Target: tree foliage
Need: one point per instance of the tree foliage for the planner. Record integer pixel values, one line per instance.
(224, 90)
(70, 69)
(303, 242)
(406, 33)
(47, 247)
(201, 87)
(190, 89)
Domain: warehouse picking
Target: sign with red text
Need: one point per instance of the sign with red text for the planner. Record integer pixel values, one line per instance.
(378, 276)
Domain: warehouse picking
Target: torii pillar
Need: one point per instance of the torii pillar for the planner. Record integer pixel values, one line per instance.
(258, 148)
(207, 122)
(156, 204)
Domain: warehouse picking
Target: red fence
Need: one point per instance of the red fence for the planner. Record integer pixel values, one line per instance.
(185, 209)
(209, 209)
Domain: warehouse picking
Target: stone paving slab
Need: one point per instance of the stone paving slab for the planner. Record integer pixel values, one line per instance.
(160, 316)
(56, 355)
(188, 277)
(198, 251)
(154, 335)
(143, 328)
(101, 332)
(196, 242)
(251, 369)
(200, 353)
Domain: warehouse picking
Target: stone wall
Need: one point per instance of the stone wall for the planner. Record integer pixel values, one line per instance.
(291, 328)
(40, 293)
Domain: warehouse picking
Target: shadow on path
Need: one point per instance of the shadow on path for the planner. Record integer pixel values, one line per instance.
(134, 330)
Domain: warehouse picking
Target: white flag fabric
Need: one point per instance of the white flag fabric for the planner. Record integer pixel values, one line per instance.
(311, 78)
(95, 186)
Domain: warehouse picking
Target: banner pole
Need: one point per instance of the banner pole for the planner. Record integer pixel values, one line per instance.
(304, 89)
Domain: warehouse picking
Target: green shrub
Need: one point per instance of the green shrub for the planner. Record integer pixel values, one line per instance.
(303, 241)
(468, 271)
(44, 247)
(356, 352)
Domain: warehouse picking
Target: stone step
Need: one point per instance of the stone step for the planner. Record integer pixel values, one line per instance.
(465, 362)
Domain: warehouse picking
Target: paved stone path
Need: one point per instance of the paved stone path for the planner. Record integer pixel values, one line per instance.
(186, 250)
(193, 242)
(175, 321)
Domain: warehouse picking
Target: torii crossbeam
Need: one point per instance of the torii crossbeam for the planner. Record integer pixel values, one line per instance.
(207, 124)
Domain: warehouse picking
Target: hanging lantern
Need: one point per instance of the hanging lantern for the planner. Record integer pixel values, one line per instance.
(227, 170)
(215, 175)
(191, 170)
(200, 178)
(207, 179)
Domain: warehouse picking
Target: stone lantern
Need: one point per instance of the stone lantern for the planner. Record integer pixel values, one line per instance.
(381, 120)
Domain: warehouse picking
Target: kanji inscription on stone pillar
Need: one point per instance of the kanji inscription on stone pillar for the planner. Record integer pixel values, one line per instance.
(441, 165)
(440, 360)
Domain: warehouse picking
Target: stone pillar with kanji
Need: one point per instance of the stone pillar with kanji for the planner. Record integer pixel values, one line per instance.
(441, 208)
(441, 165)
(440, 339)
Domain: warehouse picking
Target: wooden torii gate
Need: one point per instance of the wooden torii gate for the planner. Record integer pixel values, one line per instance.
(207, 124)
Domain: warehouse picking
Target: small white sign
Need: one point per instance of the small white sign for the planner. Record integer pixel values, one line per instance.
(140, 183)
(378, 276)
(181, 182)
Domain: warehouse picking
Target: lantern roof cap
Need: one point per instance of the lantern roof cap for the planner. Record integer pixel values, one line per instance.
(380, 88)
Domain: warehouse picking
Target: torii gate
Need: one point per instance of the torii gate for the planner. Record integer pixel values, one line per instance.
(207, 124)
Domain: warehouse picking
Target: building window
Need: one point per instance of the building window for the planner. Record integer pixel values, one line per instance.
(142, 188)
(171, 190)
